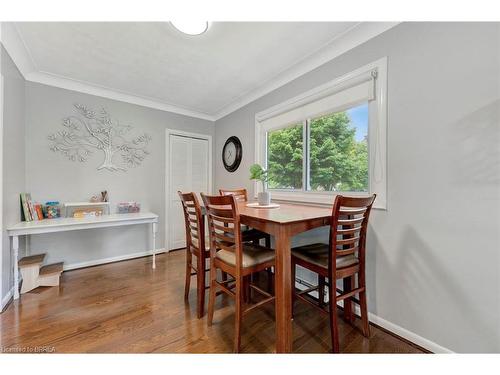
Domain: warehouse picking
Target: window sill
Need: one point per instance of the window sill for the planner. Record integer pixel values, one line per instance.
(314, 198)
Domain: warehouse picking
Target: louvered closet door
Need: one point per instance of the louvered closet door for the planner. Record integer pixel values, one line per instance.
(188, 165)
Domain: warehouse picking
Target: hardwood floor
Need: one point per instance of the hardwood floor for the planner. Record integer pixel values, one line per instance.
(127, 307)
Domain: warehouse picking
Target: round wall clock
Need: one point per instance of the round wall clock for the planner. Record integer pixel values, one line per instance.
(231, 154)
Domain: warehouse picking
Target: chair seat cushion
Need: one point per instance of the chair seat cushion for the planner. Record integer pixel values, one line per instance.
(252, 255)
(317, 254)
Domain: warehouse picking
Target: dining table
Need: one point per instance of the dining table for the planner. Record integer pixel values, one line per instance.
(284, 222)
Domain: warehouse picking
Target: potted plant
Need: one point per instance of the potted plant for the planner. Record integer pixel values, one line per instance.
(259, 174)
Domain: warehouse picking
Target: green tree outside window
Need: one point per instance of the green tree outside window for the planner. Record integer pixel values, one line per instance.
(338, 157)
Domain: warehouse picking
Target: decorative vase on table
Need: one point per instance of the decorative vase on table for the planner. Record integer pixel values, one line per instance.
(264, 198)
(258, 173)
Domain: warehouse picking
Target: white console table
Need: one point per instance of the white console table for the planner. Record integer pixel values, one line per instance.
(69, 223)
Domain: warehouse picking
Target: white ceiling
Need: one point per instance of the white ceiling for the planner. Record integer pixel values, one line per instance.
(205, 76)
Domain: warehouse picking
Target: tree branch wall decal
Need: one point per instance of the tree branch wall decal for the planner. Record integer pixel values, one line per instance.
(87, 131)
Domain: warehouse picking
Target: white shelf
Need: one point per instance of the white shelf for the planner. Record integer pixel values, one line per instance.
(71, 223)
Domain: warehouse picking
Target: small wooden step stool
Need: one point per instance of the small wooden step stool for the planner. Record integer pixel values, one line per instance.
(35, 275)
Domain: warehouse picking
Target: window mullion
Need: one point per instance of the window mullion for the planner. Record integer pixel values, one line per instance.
(305, 158)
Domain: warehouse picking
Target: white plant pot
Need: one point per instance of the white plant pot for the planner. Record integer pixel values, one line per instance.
(264, 198)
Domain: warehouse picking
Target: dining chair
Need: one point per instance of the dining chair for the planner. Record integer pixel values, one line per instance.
(195, 245)
(234, 257)
(249, 234)
(343, 258)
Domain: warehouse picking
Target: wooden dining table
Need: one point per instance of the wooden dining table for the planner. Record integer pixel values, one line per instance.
(283, 223)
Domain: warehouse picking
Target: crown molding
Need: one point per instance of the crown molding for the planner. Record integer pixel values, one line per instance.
(351, 38)
(110, 93)
(358, 34)
(16, 48)
(18, 51)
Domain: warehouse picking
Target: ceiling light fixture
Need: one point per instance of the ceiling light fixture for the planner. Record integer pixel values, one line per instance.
(191, 27)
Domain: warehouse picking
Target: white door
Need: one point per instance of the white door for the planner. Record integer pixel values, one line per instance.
(188, 171)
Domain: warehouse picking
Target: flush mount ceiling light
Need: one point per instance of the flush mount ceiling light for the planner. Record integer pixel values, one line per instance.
(191, 27)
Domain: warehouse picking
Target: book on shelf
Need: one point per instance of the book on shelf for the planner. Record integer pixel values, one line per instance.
(39, 211)
(30, 211)
(25, 212)
(31, 207)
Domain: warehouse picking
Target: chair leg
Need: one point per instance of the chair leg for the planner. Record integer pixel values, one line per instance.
(238, 314)
(332, 301)
(294, 297)
(321, 290)
(363, 305)
(348, 310)
(211, 300)
(270, 278)
(245, 289)
(267, 240)
(250, 282)
(200, 285)
(189, 265)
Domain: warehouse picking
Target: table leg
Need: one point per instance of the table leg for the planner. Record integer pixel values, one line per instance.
(15, 248)
(283, 292)
(154, 228)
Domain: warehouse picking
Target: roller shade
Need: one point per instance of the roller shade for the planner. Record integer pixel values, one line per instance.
(347, 94)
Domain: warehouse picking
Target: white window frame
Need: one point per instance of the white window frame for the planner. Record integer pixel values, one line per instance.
(377, 135)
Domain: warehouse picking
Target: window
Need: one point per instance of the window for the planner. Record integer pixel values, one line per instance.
(338, 151)
(285, 157)
(329, 140)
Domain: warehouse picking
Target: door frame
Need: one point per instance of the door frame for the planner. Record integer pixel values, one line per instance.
(168, 133)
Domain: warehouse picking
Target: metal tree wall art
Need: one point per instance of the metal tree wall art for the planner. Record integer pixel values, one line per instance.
(87, 131)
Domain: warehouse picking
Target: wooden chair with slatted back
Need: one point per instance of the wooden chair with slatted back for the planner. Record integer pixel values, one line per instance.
(250, 234)
(234, 257)
(343, 258)
(239, 194)
(195, 245)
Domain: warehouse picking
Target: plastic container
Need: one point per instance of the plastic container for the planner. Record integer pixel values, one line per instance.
(128, 207)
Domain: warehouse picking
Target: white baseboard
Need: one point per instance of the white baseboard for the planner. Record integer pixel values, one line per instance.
(6, 299)
(406, 334)
(96, 262)
(397, 330)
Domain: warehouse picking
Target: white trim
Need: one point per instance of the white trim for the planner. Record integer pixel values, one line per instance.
(403, 332)
(20, 54)
(1, 168)
(169, 132)
(391, 327)
(50, 79)
(350, 39)
(16, 48)
(377, 134)
(7, 298)
(96, 262)
(406, 334)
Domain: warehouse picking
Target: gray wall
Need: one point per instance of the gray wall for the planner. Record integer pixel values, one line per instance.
(433, 261)
(13, 159)
(50, 176)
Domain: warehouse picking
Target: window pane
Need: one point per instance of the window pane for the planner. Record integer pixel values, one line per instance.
(339, 151)
(284, 158)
